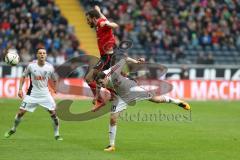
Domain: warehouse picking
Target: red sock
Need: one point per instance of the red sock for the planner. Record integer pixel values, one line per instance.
(93, 86)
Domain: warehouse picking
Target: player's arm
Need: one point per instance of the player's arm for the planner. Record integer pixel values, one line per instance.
(20, 92)
(109, 24)
(131, 60)
(97, 8)
(54, 81)
(53, 85)
(105, 23)
(22, 80)
(119, 66)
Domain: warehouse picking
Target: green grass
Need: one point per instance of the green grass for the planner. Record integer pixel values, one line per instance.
(213, 133)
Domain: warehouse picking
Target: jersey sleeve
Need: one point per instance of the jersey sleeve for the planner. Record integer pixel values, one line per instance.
(26, 71)
(120, 66)
(53, 75)
(117, 68)
(102, 20)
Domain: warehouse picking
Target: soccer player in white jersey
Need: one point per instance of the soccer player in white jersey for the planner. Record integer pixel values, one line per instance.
(127, 91)
(39, 72)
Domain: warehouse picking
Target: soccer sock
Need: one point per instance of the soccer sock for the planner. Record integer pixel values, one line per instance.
(93, 86)
(55, 125)
(112, 134)
(16, 122)
(171, 100)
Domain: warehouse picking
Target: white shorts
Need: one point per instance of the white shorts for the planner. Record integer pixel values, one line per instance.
(30, 103)
(119, 104)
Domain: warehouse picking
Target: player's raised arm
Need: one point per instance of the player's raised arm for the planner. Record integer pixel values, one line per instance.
(97, 8)
(105, 23)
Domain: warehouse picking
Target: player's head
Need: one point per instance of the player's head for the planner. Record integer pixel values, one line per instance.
(92, 17)
(101, 79)
(41, 54)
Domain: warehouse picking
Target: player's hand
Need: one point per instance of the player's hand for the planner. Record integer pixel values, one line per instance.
(97, 8)
(54, 91)
(20, 93)
(140, 60)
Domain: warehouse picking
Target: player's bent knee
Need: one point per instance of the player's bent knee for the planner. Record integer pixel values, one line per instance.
(52, 113)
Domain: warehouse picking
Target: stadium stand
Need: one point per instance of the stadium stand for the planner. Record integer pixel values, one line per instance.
(26, 24)
(200, 31)
(75, 13)
(178, 31)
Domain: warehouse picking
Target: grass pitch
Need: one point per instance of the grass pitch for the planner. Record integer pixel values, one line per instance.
(212, 132)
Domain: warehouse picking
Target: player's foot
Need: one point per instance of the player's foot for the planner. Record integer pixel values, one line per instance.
(110, 148)
(9, 133)
(98, 105)
(58, 138)
(184, 105)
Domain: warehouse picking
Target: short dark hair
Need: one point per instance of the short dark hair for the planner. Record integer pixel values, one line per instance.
(100, 75)
(93, 14)
(38, 48)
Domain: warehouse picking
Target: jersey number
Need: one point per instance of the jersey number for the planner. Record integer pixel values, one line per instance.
(113, 109)
(23, 105)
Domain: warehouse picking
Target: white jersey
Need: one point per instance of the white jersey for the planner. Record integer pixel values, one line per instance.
(126, 88)
(39, 76)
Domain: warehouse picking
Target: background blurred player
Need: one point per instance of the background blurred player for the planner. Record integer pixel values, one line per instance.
(127, 92)
(39, 72)
(106, 43)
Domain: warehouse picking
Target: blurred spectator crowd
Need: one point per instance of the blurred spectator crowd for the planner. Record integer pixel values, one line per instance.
(175, 25)
(28, 24)
(169, 30)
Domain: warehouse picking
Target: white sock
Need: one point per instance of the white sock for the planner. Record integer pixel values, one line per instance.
(112, 134)
(171, 100)
(16, 122)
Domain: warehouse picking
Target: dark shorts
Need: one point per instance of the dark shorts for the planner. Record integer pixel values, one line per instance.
(104, 62)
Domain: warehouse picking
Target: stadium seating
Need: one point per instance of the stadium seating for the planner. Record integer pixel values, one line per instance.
(157, 28)
(26, 24)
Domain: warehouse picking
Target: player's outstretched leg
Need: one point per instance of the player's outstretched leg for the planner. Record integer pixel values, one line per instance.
(55, 125)
(97, 101)
(112, 132)
(17, 120)
(167, 99)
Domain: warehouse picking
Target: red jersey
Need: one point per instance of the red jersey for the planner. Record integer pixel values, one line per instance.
(105, 37)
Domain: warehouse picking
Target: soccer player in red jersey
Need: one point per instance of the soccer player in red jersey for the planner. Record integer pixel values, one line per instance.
(106, 43)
